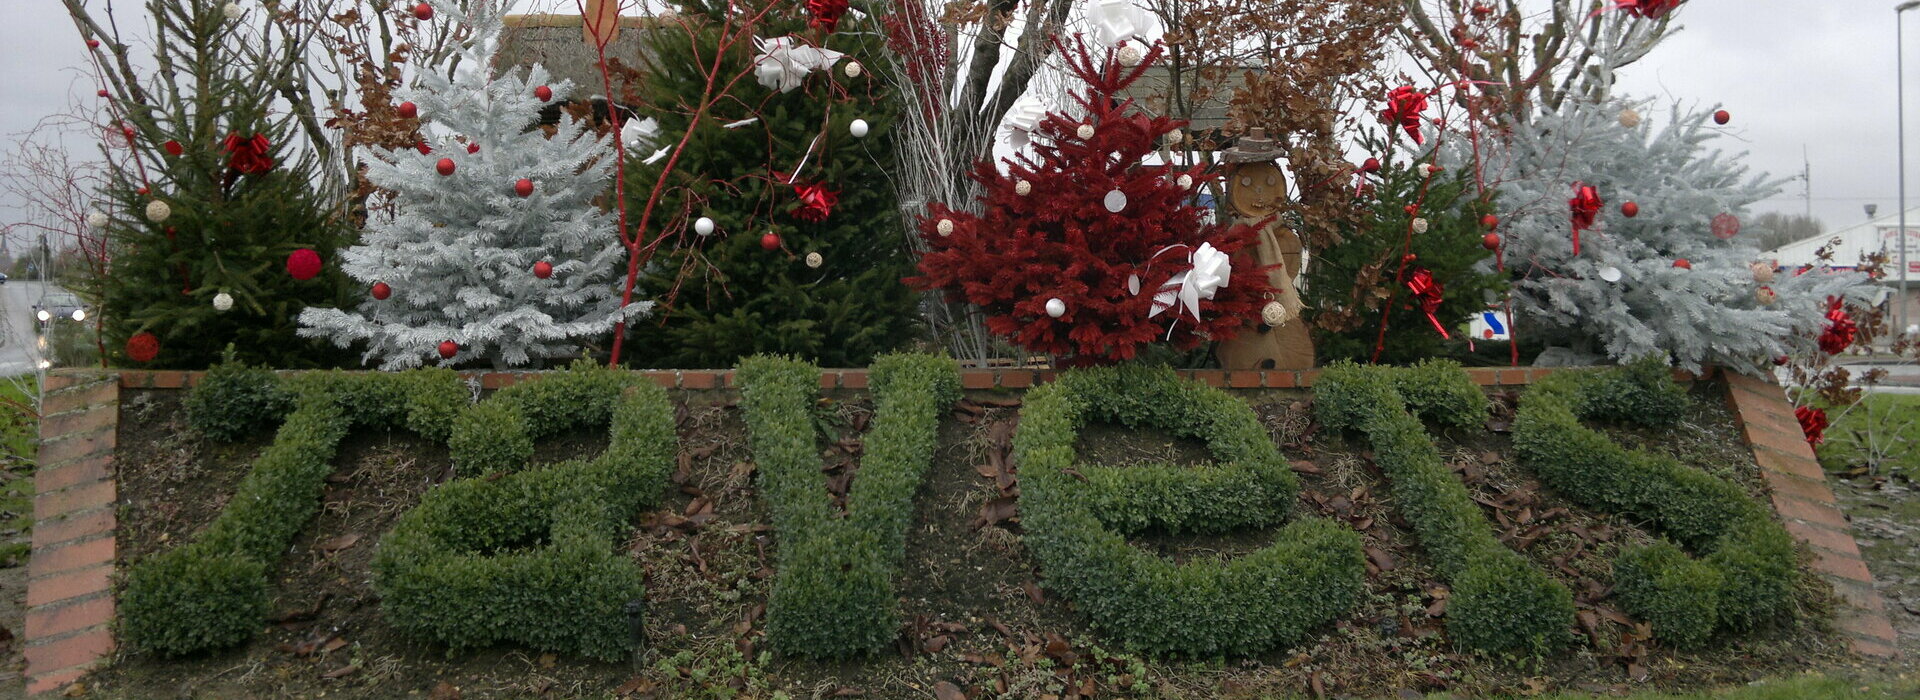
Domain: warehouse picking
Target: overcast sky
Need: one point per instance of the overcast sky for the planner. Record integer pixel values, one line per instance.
(1812, 75)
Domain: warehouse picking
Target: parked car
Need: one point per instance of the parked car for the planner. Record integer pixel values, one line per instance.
(3, 278)
(61, 305)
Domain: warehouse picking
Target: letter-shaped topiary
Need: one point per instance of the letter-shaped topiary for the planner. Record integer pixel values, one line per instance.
(532, 557)
(1077, 519)
(833, 594)
(1500, 603)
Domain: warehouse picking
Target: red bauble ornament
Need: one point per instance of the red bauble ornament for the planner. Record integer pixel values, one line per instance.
(1683, 264)
(473, 148)
(1490, 241)
(1722, 117)
(1630, 209)
(103, 93)
(1782, 360)
(93, 43)
(543, 269)
(381, 291)
(143, 347)
(1372, 165)
(423, 12)
(408, 110)
(423, 148)
(303, 264)
(445, 167)
(543, 93)
(448, 349)
(1404, 106)
(145, 190)
(523, 187)
(771, 241)
(1726, 226)
(1490, 221)
(173, 148)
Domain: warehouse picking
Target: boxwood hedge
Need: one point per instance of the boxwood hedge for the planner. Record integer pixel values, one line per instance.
(234, 400)
(532, 557)
(1500, 603)
(833, 592)
(1749, 565)
(212, 592)
(1077, 517)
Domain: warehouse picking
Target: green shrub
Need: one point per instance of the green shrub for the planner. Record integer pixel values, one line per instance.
(1273, 597)
(500, 436)
(1500, 602)
(234, 401)
(833, 595)
(1751, 558)
(533, 557)
(212, 592)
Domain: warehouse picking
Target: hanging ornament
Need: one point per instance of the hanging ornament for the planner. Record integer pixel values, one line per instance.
(1084, 132)
(1630, 210)
(1490, 241)
(1130, 55)
(771, 241)
(1765, 295)
(249, 156)
(144, 191)
(523, 187)
(1116, 201)
(1490, 221)
(1430, 294)
(1419, 225)
(1725, 226)
(1056, 308)
(1175, 136)
(1023, 188)
(703, 226)
(1428, 169)
(93, 43)
(1840, 328)
(944, 227)
(1611, 274)
(448, 349)
(825, 14)
(1371, 165)
(102, 92)
(381, 291)
(408, 110)
(1275, 314)
(423, 12)
(1185, 182)
(303, 264)
(158, 211)
(97, 220)
(222, 301)
(1584, 206)
(543, 269)
(1722, 117)
(232, 10)
(143, 347)
(445, 167)
(473, 148)
(1404, 106)
(423, 148)
(1629, 118)
(1212, 270)
(1683, 264)
(173, 148)
(1762, 272)
(543, 93)
(816, 202)
(815, 260)
(1813, 423)
(854, 69)
(858, 128)
(1781, 361)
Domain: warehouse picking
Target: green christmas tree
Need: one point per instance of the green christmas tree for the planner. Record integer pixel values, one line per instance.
(207, 205)
(804, 254)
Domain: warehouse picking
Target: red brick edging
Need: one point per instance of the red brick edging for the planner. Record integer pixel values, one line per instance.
(69, 578)
(1808, 508)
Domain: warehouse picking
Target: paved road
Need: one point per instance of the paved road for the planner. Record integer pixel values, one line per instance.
(17, 353)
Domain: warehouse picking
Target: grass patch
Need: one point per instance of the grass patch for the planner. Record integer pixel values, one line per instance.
(1881, 433)
(19, 430)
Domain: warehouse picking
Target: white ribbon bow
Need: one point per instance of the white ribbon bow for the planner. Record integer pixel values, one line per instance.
(1022, 118)
(1117, 21)
(1210, 273)
(638, 134)
(784, 63)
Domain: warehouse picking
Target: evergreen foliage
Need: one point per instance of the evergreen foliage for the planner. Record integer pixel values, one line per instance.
(233, 400)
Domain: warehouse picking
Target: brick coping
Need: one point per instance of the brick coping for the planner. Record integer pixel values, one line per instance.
(70, 604)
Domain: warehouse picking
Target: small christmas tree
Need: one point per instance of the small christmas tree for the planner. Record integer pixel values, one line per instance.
(1648, 261)
(498, 251)
(1081, 251)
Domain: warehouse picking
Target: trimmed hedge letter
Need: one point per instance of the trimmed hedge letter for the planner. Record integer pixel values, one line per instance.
(833, 593)
(1747, 573)
(1500, 603)
(212, 593)
(1077, 519)
(533, 557)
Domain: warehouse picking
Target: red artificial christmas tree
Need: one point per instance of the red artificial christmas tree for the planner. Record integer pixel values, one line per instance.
(1083, 222)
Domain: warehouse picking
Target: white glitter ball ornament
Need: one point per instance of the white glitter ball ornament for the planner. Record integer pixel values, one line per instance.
(1023, 188)
(97, 220)
(945, 227)
(233, 10)
(158, 211)
(1056, 308)
(1629, 118)
(1130, 55)
(1419, 225)
(814, 260)
(854, 69)
(1274, 314)
(222, 301)
(1185, 182)
(1085, 131)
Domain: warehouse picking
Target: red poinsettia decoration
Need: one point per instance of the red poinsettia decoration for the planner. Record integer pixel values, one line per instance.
(1428, 292)
(816, 202)
(1584, 206)
(1651, 9)
(1813, 422)
(825, 14)
(1840, 328)
(250, 156)
(1404, 106)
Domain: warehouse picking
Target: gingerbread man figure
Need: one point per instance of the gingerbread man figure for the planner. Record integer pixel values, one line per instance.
(1255, 189)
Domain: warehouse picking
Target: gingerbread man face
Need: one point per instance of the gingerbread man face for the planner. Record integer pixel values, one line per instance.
(1255, 190)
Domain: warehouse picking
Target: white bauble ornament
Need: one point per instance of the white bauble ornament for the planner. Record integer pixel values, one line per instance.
(1629, 118)
(1610, 273)
(854, 69)
(158, 211)
(945, 227)
(1085, 131)
(1023, 188)
(1185, 181)
(222, 301)
(1130, 55)
(1116, 201)
(1762, 273)
(703, 226)
(233, 10)
(1056, 308)
(815, 261)
(858, 128)
(1274, 314)
(1419, 225)
(97, 220)
(1174, 137)
(1766, 296)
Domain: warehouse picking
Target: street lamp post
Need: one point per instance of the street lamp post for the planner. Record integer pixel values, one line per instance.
(1900, 89)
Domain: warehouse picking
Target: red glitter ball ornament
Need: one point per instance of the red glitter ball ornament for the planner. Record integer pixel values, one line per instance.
(1372, 165)
(445, 167)
(1683, 264)
(303, 264)
(473, 148)
(1490, 221)
(771, 241)
(173, 148)
(381, 291)
(409, 110)
(423, 12)
(1490, 241)
(143, 347)
(103, 93)
(523, 187)
(544, 93)
(1725, 226)
(448, 349)
(93, 43)
(543, 269)
(1630, 209)
(1722, 117)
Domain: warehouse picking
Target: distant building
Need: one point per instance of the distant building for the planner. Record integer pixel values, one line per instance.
(1850, 245)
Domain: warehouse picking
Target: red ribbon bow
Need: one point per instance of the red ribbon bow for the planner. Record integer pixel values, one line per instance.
(1404, 106)
(816, 202)
(825, 14)
(249, 156)
(1585, 205)
(1651, 9)
(1428, 291)
(1840, 328)
(1813, 423)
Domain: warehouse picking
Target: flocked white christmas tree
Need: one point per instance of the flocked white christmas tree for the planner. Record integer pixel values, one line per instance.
(497, 251)
(1663, 282)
